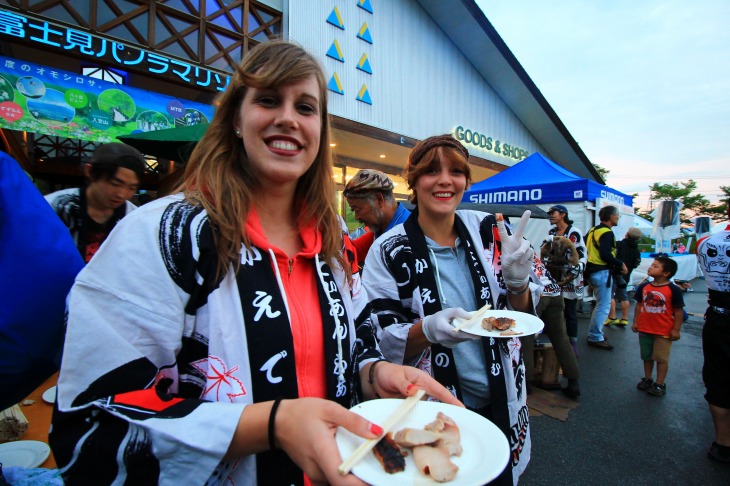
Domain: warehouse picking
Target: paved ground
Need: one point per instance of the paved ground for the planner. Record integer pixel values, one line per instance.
(619, 435)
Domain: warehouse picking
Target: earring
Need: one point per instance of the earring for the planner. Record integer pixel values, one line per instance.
(238, 133)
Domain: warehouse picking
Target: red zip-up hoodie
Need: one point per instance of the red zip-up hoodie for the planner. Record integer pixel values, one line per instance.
(299, 281)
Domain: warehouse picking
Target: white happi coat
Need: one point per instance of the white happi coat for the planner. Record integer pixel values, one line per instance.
(380, 284)
(126, 308)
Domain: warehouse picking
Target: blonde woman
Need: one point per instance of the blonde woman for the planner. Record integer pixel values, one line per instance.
(212, 338)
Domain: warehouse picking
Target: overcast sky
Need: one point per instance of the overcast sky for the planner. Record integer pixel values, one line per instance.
(642, 85)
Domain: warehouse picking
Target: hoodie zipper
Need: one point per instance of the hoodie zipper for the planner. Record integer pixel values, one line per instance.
(291, 265)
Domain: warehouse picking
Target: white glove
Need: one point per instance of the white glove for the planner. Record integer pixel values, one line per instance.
(438, 327)
(517, 255)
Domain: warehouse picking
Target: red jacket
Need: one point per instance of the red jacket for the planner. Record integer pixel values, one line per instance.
(298, 277)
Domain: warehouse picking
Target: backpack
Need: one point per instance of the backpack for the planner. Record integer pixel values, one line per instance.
(631, 257)
(560, 257)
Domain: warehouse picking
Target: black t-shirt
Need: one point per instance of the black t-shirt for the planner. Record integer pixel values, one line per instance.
(96, 234)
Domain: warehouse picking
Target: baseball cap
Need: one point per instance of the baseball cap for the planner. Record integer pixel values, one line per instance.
(119, 155)
(368, 180)
(558, 207)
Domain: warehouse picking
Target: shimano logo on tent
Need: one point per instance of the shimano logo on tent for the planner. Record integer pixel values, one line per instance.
(609, 196)
(523, 195)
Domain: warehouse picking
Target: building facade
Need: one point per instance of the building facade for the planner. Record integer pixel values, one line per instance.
(398, 71)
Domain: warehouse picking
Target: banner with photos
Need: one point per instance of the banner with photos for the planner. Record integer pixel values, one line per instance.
(43, 100)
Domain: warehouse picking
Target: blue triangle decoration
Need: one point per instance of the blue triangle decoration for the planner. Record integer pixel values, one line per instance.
(335, 52)
(364, 33)
(365, 5)
(364, 64)
(335, 85)
(336, 19)
(364, 95)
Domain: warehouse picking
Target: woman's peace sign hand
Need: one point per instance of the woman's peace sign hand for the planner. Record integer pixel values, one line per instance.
(517, 253)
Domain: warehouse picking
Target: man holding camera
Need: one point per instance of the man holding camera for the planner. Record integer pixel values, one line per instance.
(602, 265)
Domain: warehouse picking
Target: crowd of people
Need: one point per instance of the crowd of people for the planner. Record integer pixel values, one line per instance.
(238, 310)
(570, 263)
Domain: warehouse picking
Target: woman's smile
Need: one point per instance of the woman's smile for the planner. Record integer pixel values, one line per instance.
(280, 128)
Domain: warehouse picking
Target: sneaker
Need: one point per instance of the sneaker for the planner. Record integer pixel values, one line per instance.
(719, 453)
(657, 390)
(645, 384)
(600, 345)
(623, 322)
(610, 321)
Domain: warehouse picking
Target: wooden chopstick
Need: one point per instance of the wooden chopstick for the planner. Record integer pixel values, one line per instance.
(368, 445)
(474, 318)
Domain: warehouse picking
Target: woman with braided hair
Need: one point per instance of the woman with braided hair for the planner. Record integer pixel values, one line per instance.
(438, 265)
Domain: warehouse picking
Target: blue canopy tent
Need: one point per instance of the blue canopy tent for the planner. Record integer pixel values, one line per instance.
(540, 181)
(537, 180)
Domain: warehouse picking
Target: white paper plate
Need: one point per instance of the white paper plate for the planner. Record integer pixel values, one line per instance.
(24, 453)
(49, 395)
(486, 450)
(526, 324)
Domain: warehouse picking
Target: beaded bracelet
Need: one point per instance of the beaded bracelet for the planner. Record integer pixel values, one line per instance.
(272, 421)
(371, 377)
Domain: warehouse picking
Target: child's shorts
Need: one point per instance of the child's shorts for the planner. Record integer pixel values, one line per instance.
(654, 348)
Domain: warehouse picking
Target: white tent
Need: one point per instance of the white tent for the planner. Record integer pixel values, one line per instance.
(644, 225)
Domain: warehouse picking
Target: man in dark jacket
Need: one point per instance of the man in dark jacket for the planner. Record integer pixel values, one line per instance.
(627, 250)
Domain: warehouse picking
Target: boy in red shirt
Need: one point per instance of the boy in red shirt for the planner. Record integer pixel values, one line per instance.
(657, 319)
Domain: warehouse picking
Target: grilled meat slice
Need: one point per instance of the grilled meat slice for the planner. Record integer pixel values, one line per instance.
(449, 434)
(409, 437)
(389, 455)
(498, 323)
(434, 461)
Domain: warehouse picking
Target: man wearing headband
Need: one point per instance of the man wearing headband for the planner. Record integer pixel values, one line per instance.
(370, 196)
(90, 212)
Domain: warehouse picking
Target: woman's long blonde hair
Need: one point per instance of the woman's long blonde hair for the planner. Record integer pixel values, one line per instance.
(219, 177)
